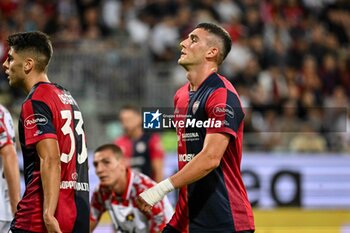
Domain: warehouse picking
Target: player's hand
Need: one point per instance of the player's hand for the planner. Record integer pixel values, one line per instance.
(143, 205)
(51, 224)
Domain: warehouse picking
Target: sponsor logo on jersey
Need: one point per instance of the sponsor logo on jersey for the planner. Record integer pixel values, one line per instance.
(37, 133)
(190, 136)
(223, 109)
(186, 157)
(72, 184)
(35, 119)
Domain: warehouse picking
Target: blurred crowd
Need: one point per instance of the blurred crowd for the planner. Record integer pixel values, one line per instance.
(290, 59)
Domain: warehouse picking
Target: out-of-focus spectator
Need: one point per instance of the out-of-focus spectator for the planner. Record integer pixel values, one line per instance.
(308, 140)
(164, 37)
(92, 28)
(227, 10)
(273, 86)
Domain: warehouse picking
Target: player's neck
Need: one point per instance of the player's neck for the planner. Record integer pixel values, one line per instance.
(33, 79)
(197, 76)
(136, 134)
(121, 186)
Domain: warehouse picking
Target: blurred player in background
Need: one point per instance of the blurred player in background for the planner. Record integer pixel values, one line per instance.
(117, 193)
(144, 150)
(52, 137)
(9, 171)
(212, 194)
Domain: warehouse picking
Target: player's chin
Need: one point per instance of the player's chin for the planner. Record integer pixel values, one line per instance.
(105, 182)
(12, 83)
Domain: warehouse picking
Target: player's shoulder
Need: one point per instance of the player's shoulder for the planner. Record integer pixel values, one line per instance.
(46, 90)
(141, 181)
(121, 140)
(182, 90)
(102, 191)
(224, 85)
(3, 111)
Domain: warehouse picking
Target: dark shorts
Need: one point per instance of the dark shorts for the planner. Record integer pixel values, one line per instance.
(170, 229)
(14, 230)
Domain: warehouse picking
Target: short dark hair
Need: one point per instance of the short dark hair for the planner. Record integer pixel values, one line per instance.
(36, 42)
(222, 34)
(114, 148)
(130, 107)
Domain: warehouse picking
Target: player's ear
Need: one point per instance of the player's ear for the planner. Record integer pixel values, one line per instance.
(213, 52)
(28, 64)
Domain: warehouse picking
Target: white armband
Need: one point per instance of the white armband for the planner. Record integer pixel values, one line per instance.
(157, 192)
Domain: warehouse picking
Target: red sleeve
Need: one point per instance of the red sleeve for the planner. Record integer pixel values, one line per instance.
(225, 106)
(37, 122)
(125, 145)
(155, 147)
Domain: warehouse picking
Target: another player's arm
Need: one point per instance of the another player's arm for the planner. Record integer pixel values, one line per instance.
(93, 225)
(156, 217)
(157, 157)
(97, 208)
(157, 221)
(50, 170)
(11, 171)
(202, 164)
(157, 168)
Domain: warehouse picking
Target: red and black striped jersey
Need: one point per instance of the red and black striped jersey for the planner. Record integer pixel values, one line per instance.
(218, 202)
(142, 151)
(50, 111)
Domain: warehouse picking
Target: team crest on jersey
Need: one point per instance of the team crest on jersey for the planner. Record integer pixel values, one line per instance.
(35, 119)
(195, 106)
(74, 176)
(140, 147)
(130, 217)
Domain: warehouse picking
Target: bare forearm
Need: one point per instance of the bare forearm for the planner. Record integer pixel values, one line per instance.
(51, 178)
(93, 225)
(11, 172)
(157, 167)
(196, 169)
(202, 164)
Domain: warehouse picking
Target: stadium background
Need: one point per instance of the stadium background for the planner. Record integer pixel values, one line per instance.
(290, 62)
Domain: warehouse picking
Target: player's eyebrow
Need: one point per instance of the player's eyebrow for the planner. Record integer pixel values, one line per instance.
(193, 36)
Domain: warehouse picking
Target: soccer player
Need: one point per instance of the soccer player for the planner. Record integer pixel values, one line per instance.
(52, 137)
(144, 150)
(212, 196)
(117, 193)
(9, 171)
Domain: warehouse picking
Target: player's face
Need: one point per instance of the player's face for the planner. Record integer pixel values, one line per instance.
(194, 48)
(130, 121)
(109, 169)
(14, 68)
